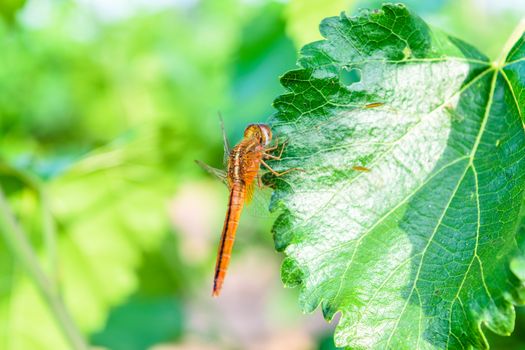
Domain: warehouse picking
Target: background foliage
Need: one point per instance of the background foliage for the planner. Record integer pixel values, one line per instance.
(103, 108)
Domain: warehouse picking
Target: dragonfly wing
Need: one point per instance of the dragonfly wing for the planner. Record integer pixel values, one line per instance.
(218, 173)
(225, 142)
(258, 208)
(249, 192)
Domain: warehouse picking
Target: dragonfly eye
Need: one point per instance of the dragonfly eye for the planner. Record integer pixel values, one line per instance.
(266, 134)
(261, 132)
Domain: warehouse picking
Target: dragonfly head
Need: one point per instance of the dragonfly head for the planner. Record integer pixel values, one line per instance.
(261, 132)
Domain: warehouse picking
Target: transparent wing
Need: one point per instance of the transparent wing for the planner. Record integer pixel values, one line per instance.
(218, 173)
(258, 206)
(249, 192)
(225, 142)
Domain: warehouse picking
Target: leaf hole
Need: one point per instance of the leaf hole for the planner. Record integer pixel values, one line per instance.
(349, 76)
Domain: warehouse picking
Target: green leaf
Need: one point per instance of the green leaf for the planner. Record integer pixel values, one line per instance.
(416, 252)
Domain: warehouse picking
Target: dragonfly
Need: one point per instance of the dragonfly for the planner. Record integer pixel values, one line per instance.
(243, 163)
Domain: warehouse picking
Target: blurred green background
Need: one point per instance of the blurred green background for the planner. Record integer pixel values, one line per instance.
(104, 105)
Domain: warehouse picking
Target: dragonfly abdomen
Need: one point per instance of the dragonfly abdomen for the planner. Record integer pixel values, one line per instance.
(231, 222)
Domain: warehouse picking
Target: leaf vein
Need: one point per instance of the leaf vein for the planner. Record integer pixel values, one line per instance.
(424, 252)
(506, 78)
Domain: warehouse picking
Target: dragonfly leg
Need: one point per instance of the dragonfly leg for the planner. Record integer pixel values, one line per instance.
(269, 149)
(281, 173)
(270, 156)
(259, 182)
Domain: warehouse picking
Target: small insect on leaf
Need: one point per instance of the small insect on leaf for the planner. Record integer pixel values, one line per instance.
(374, 105)
(361, 168)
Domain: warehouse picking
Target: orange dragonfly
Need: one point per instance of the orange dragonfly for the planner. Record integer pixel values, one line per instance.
(242, 169)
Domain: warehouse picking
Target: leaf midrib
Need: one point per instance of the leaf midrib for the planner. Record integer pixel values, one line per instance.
(506, 78)
(454, 192)
(513, 62)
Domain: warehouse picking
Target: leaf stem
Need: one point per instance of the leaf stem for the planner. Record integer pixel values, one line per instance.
(511, 41)
(17, 240)
(47, 222)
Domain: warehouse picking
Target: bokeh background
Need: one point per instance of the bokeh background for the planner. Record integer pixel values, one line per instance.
(104, 105)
